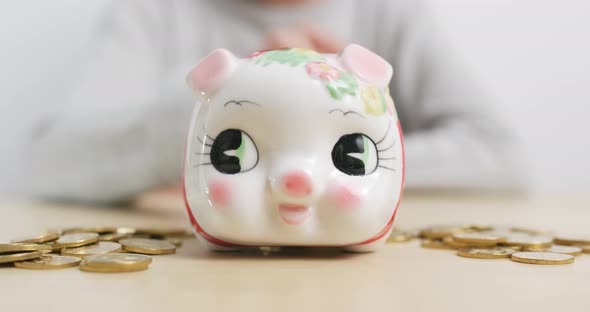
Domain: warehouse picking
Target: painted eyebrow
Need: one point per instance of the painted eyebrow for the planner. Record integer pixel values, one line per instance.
(240, 103)
(344, 113)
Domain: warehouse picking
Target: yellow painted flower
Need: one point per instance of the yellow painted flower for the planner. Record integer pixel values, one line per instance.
(374, 101)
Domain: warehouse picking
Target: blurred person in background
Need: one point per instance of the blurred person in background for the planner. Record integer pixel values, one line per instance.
(121, 130)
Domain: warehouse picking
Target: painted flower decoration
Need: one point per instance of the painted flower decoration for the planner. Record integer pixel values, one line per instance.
(292, 57)
(338, 83)
(375, 103)
(322, 70)
(347, 84)
(257, 54)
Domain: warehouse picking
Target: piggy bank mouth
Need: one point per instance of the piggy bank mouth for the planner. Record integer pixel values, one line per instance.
(294, 214)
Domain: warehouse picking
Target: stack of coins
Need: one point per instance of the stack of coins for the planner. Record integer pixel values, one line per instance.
(94, 249)
(488, 242)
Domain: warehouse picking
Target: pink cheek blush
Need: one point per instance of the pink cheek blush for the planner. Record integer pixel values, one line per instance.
(345, 199)
(220, 194)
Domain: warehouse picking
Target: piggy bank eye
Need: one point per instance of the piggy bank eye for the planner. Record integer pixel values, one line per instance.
(233, 151)
(355, 154)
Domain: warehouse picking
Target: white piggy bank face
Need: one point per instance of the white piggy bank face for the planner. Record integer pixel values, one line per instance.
(293, 148)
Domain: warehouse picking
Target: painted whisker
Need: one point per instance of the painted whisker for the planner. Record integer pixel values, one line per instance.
(387, 168)
(386, 149)
(204, 164)
(385, 135)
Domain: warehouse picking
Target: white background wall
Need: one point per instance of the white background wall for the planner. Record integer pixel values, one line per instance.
(533, 54)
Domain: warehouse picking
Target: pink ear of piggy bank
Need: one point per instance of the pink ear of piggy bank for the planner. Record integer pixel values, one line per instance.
(293, 148)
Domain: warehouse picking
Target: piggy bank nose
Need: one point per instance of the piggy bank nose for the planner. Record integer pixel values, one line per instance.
(297, 184)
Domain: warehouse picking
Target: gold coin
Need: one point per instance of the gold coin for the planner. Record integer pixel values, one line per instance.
(21, 256)
(479, 228)
(163, 232)
(441, 231)
(52, 246)
(148, 246)
(40, 238)
(528, 231)
(268, 250)
(88, 268)
(568, 250)
(541, 257)
(480, 238)
(16, 247)
(572, 240)
(399, 236)
(449, 241)
(517, 248)
(434, 244)
(585, 248)
(49, 262)
(75, 240)
(126, 230)
(115, 262)
(113, 237)
(528, 241)
(94, 249)
(176, 241)
(90, 229)
(485, 253)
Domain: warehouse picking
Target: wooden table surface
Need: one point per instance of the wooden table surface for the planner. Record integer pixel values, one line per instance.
(400, 277)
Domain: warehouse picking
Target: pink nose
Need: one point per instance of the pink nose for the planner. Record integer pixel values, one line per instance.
(297, 184)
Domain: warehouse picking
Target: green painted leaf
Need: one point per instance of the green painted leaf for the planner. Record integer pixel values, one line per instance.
(291, 57)
(345, 85)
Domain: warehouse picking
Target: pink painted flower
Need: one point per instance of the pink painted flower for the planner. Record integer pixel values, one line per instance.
(257, 53)
(322, 71)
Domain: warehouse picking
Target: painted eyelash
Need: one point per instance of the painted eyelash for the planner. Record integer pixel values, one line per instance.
(203, 164)
(207, 137)
(209, 145)
(386, 149)
(381, 142)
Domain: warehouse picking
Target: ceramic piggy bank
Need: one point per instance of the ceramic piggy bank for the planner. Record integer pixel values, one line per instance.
(293, 148)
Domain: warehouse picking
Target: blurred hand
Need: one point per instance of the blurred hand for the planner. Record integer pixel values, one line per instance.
(304, 36)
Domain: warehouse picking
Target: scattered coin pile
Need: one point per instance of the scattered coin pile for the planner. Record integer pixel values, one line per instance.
(488, 242)
(127, 249)
(93, 249)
